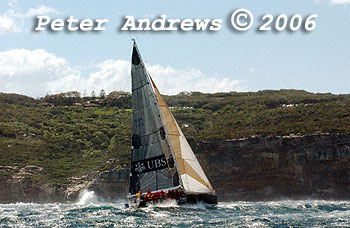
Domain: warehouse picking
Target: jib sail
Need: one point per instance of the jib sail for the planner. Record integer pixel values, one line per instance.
(192, 175)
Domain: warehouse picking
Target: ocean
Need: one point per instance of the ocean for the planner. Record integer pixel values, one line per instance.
(89, 211)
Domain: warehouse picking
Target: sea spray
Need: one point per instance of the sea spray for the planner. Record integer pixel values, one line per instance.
(87, 197)
(288, 213)
(166, 203)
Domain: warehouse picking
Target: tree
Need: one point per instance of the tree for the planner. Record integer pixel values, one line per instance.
(93, 94)
(102, 93)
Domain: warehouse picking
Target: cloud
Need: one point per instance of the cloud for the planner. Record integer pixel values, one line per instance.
(32, 72)
(40, 10)
(110, 75)
(12, 21)
(38, 72)
(12, 3)
(339, 2)
(8, 25)
(171, 81)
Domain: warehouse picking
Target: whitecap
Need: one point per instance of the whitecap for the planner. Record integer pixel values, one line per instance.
(87, 197)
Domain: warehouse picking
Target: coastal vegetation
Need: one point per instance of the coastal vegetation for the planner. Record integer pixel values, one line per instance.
(70, 135)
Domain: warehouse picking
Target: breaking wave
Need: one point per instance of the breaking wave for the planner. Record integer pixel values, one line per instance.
(88, 211)
(87, 197)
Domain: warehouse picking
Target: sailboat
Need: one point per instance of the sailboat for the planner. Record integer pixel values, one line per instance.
(161, 159)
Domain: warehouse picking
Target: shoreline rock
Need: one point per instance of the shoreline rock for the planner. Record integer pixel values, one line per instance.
(281, 167)
(250, 169)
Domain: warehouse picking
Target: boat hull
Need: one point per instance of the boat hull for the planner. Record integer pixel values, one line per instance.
(189, 199)
(204, 198)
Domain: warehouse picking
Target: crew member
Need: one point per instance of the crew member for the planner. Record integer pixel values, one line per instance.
(139, 193)
(162, 195)
(182, 193)
(176, 194)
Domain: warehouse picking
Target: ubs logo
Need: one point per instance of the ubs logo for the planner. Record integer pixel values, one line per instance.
(154, 164)
(149, 165)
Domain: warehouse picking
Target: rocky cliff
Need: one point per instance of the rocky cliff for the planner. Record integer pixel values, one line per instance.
(267, 168)
(109, 185)
(255, 168)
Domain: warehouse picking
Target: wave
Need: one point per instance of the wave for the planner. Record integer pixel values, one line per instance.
(87, 197)
(91, 211)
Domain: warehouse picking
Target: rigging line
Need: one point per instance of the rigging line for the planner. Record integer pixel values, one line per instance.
(142, 80)
(140, 87)
(146, 107)
(152, 133)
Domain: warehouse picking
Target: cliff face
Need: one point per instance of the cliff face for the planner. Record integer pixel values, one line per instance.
(256, 168)
(315, 166)
(19, 187)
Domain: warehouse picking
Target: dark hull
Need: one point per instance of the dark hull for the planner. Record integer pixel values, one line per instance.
(189, 199)
(204, 198)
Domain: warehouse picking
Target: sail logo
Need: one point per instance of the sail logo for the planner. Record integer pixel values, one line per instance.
(139, 167)
(149, 165)
(154, 164)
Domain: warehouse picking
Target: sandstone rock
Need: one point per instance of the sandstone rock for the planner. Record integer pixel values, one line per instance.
(266, 168)
(27, 172)
(257, 168)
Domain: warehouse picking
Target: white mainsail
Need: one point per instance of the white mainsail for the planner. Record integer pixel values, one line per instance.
(156, 135)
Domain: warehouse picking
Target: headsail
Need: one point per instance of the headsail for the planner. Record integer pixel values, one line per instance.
(158, 140)
(152, 165)
(193, 177)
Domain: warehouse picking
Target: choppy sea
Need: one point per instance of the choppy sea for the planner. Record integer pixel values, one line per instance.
(90, 211)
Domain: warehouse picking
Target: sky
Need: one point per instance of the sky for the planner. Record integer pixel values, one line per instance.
(40, 63)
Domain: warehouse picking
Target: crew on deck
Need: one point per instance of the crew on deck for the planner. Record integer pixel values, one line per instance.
(160, 196)
(139, 193)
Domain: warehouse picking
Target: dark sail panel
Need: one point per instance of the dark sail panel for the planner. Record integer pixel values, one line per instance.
(135, 57)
